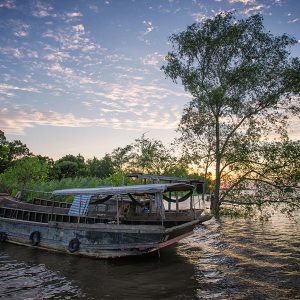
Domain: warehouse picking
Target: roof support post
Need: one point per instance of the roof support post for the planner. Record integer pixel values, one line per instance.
(160, 205)
(192, 202)
(169, 203)
(118, 218)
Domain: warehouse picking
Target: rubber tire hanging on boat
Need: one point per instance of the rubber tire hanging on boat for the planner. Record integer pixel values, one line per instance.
(3, 237)
(74, 245)
(35, 238)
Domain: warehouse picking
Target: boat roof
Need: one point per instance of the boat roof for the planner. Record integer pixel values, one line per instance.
(165, 178)
(128, 189)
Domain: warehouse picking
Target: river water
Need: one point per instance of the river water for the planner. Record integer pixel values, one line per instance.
(224, 259)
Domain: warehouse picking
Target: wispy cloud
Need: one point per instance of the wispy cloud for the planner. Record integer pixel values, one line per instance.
(200, 17)
(10, 4)
(153, 59)
(16, 120)
(94, 8)
(74, 14)
(21, 29)
(15, 52)
(78, 28)
(58, 68)
(57, 55)
(294, 20)
(72, 38)
(260, 8)
(246, 2)
(149, 27)
(8, 89)
(42, 10)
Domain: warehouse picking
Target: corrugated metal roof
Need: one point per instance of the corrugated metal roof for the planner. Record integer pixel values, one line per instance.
(130, 189)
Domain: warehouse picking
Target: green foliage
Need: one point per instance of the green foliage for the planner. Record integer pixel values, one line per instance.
(271, 176)
(117, 179)
(101, 168)
(70, 166)
(67, 183)
(23, 174)
(152, 156)
(147, 156)
(4, 157)
(10, 151)
(243, 84)
(44, 189)
(122, 157)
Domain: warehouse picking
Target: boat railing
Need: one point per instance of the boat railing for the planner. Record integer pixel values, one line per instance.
(45, 202)
(46, 217)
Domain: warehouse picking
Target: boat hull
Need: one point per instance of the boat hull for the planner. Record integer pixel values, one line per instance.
(94, 240)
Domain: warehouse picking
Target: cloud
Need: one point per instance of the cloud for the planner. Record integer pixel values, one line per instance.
(21, 33)
(90, 47)
(149, 27)
(78, 28)
(260, 8)
(74, 14)
(9, 4)
(200, 17)
(21, 29)
(152, 59)
(245, 2)
(15, 52)
(15, 120)
(8, 89)
(42, 10)
(57, 55)
(130, 94)
(93, 8)
(294, 20)
(58, 68)
(72, 38)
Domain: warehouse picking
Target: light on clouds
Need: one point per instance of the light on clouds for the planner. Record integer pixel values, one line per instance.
(96, 64)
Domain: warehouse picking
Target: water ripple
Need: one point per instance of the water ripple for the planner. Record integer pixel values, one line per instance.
(225, 259)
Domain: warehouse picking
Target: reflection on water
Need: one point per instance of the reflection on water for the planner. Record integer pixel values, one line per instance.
(226, 259)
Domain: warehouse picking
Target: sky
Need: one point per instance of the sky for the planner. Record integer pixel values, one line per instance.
(80, 76)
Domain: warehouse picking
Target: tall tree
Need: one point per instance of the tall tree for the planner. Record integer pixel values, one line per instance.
(101, 168)
(243, 82)
(151, 156)
(148, 156)
(24, 172)
(70, 166)
(11, 151)
(122, 157)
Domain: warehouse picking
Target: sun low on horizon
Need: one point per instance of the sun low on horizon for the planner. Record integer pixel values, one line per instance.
(85, 76)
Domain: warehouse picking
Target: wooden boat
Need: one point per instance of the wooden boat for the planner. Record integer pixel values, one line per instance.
(101, 222)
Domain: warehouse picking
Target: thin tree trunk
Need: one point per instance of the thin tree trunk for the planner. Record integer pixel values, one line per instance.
(215, 201)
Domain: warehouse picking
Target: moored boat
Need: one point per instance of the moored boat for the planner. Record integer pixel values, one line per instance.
(101, 222)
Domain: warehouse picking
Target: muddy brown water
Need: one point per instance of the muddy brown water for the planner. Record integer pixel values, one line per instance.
(225, 259)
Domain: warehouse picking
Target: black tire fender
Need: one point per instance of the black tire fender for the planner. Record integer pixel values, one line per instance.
(3, 237)
(35, 238)
(74, 245)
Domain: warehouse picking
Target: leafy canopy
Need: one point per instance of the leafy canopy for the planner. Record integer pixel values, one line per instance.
(244, 86)
(25, 172)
